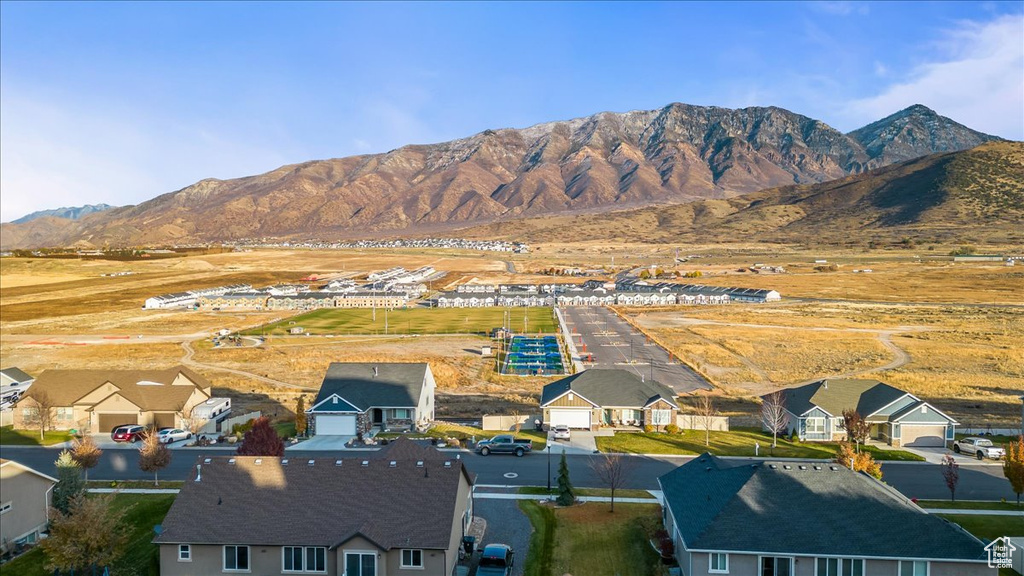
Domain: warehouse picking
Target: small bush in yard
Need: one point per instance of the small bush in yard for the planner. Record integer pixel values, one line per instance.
(454, 442)
(672, 429)
(648, 428)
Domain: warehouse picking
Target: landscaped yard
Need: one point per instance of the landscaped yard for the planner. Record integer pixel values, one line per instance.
(620, 493)
(737, 442)
(588, 539)
(989, 527)
(141, 555)
(414, 321)
(969, 505)
(11, 437)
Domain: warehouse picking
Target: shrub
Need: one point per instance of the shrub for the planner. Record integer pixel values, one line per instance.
(794, 437)
(648, 428)
(241, 429)
(672, 429)
(454, 442)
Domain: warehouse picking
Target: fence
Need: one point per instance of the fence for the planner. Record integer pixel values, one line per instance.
(228, 423)
(693, 422)
(7, 417)
(508, 422)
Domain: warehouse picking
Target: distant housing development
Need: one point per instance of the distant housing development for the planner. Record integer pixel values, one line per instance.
(599, 293)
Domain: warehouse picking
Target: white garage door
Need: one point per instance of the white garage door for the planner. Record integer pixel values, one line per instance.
(923, 435)
(571, 418)
(336, 425)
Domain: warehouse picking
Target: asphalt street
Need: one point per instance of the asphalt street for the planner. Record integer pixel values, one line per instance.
(615, 344)
(913, 479)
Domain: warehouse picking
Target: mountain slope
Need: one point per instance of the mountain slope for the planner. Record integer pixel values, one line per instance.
(978, 193)
(70, 213)
(677, 154)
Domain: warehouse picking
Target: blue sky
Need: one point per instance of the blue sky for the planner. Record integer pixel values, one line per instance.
(121, 102)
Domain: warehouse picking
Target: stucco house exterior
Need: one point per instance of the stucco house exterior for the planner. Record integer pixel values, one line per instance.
(25, 496)
(896, 417)
(806, 519)
(97, 401)
(358, 396)
(402, 511)
(617, 398)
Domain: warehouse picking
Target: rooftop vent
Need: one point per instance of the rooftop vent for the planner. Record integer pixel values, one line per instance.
(207, 460)
(393, 464)
(787, 467)
(802, 467)
(148, 383)
(199, 472)
(448, 464)
(419, 463)
(311, 462)
(773, 466)
(366, 463)
(833, 468)
(374, 371)
(258, 461)
(337, 462)
(817, 467)
(284, 462)
(231, 460)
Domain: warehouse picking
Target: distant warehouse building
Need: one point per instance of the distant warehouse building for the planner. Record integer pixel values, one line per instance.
(251, 300)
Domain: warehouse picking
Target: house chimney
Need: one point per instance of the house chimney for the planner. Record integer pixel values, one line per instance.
(199, 472)
(824, 384)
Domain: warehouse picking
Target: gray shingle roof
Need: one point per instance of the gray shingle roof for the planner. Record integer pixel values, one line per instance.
(609, 388)
(325, 504)
(395, 384)
(836, 395)
(16, 374)
(780, 508)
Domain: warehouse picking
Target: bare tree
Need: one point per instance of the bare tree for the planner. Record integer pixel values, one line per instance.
(951, 474)
(706, 413)
(857, 428)
(153, 456)
(774, 415)
(612, 470)
(91, 534)
(42, 415)
(517, 423)
(86, 453)
(191, 421)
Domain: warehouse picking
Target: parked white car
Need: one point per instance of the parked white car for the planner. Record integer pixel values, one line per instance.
(980, 447)
(561, 432)
(168, 435)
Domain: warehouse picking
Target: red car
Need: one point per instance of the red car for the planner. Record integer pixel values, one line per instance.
(128, 433)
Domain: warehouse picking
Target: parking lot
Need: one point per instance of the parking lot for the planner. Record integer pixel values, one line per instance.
(615, 344)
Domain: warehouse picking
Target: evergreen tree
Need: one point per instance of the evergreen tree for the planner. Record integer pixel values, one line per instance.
(300, 416)
(566, 495)
(70, 484)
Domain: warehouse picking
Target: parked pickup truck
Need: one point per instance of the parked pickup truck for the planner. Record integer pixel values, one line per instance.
(504, 444)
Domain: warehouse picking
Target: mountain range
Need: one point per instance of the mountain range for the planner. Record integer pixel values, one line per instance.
(71, 213)
(609, 161)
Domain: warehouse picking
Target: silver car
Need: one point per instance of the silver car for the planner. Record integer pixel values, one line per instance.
(980, 447)
(561, 432)
(168, 435)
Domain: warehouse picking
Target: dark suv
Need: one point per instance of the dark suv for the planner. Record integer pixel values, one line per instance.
(128, 433)
(496, 560)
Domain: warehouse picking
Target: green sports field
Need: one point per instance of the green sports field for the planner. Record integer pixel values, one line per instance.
(415, 321)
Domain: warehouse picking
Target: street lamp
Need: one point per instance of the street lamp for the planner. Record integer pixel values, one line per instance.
(548, 448)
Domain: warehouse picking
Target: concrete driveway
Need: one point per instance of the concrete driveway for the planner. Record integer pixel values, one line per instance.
(935, 455)
(581, 442)
(322, 442)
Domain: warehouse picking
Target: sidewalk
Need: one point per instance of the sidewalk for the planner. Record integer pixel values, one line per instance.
(975, 512)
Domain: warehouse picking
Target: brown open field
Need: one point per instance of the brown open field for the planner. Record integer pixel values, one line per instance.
(965, 359)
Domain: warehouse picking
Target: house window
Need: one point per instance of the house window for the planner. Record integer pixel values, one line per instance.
(776, 566)
(184, 553)
(6, 507)
(29, 412)
(815, 426)
(412, 558)
(401, 413)
(661, 417)
(913, 568)
(65, 413)
(304, 559)
(718, 563)
(360, 564)
(236, 558)
(839, 567)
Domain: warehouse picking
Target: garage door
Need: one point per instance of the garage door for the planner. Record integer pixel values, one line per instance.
(336, 425)
(924, 435)
(110, 421)
(571, 418)
(164, 420)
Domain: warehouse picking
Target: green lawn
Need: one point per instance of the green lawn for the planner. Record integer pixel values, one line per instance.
(467, 432)
(588, 539)
(736, 442)
(11, 437)
(285, 429)
(989, 527)
(997, 439)
(961, 505)
(141, 555)
(414, 321)
(620, 493)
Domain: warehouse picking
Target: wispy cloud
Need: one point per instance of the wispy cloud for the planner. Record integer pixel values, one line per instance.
(840, 8)
(979, 81)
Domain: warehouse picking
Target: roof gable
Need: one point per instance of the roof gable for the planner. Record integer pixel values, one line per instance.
(621, 388)
(836, 395)
(5, 462)
(365, 385)
(334, 403)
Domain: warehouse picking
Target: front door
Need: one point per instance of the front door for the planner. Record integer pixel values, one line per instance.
(378, 417)
(360, 564)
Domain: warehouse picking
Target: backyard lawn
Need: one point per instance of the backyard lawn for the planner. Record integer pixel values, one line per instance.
(969, 505)
(141, 555)
(588, 539)
(988, 527)
(414, 321)
(11, 437)
(736, 442)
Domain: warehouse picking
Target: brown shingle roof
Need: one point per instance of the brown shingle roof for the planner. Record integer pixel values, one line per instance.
(66, 387)
(324, 504)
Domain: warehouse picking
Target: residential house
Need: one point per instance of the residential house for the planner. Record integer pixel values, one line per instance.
(594, 297)
(358, 396)
(896, 417)
(24, 504)
(97, 401)
(301, 301)
(371, 299)
(618, 398)
(464, 300)
(805, 519)
(401, 511)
